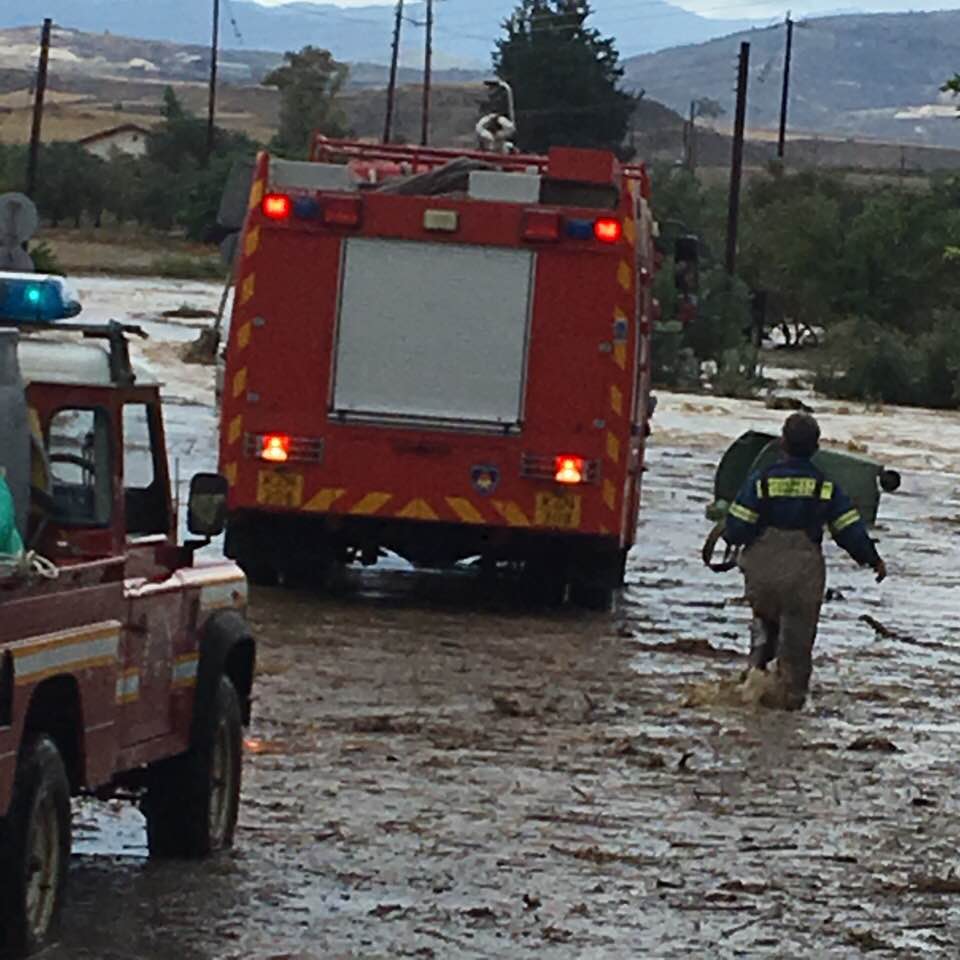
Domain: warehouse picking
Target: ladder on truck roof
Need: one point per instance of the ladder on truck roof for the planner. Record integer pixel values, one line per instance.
(421, 159)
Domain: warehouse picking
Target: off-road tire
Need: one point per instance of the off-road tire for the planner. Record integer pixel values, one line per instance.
(591, 596)
(34, 850)
(192, 800)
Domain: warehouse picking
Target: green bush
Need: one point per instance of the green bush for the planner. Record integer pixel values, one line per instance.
(865, 360)
(45, 260)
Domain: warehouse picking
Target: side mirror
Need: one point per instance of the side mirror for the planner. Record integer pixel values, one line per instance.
(207, 507)
(686, 258)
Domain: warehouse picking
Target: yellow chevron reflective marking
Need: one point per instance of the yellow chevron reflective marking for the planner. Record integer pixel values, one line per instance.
(256, 193)
(246, 290)
(371, 503)
(252, 242)
(510, 512)
(625, 275)
(620, 355)
(418, 509)
(613, 447)
(323, 500)
(616, 400)
(465, 510)
(609, 494)
(236, 429)
(230, 472)
(243, 336)
(630, 231)
(239, 382)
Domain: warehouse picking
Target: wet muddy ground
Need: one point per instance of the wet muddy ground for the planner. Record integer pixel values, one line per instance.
(437, 770)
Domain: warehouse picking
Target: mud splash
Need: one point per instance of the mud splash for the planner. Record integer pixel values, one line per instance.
(754, 690)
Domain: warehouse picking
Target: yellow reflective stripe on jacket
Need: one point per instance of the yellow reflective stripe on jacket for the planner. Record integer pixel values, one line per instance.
(846, 520)
(742, 513)
(795, 487)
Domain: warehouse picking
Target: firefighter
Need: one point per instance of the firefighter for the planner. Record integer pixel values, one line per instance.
(778, 517)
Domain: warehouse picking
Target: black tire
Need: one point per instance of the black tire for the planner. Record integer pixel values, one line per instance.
(34, 850)
(259, 572)
(591, 596)
(544, 580)
(193, 800)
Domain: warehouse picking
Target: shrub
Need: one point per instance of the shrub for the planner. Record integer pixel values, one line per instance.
(867, 361)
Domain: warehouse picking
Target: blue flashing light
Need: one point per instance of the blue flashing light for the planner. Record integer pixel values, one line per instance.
(306, 208)
(35, 298)
(580, 229)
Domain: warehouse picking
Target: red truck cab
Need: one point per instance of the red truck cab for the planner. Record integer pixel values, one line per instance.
(124, 664)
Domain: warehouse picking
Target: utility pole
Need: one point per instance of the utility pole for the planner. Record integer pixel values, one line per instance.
(34, 154)
(691, 143)
(392, 86)
(212, 109)
(786, 89)
(736, 164)
(427, 77)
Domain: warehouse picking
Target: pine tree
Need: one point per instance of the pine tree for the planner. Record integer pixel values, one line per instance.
(566, 78)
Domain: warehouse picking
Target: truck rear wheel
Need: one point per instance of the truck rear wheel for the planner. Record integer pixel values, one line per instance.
(34, 849)
(193, 800)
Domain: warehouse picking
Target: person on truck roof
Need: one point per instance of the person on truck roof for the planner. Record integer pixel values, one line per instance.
(778, 517)
(10, 542)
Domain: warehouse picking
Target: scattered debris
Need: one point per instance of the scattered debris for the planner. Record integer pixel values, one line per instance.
(787, 403)
(867, 940)
(186, 312)
(479, 913)
(383, 910)
(874, 744)
(531, 902)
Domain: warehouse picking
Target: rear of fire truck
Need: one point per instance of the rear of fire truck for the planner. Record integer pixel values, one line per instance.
(441, 355)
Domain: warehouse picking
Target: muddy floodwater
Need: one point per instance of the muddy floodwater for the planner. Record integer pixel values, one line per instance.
(436, 770)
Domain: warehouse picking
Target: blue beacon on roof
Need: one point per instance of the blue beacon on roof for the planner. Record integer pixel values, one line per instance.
(35, 298)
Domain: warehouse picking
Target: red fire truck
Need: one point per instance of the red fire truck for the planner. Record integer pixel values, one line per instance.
(124, 665)
(441, 354)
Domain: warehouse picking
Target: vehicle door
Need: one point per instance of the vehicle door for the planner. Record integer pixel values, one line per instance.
(154, 593)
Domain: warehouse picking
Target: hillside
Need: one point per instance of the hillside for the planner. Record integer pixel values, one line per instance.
(465, 31)
(858, 75)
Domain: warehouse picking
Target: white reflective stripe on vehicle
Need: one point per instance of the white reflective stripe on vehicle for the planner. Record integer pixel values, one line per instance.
(128, 686)
(67, 651)
(230, 593)
(185, 670)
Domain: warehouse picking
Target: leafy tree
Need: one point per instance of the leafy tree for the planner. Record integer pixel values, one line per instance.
(309, 83)
(565, 76)
(69, 183)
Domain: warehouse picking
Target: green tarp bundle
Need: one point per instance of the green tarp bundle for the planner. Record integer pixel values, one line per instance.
(10, 542)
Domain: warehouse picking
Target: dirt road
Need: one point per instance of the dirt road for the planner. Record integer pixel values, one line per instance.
(436, 771)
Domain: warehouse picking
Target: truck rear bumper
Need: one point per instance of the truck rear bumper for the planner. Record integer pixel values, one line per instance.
(279, 539)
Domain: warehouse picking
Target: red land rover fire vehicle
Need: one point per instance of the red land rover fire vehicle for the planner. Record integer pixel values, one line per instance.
(446, 355)
(124, 665)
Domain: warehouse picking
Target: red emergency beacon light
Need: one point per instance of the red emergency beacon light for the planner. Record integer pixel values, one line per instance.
(275, 448)
(608, 230)
(569, 470)
(277, 206)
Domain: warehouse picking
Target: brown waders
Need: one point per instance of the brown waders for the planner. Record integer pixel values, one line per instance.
(785, 577)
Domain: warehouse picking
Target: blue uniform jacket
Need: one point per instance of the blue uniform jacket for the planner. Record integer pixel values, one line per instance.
(794, 495)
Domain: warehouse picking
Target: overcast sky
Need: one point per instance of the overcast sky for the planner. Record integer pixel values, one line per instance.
(723, 9)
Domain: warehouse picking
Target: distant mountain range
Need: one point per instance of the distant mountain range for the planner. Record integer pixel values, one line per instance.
(877, 75)
(465, 30)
